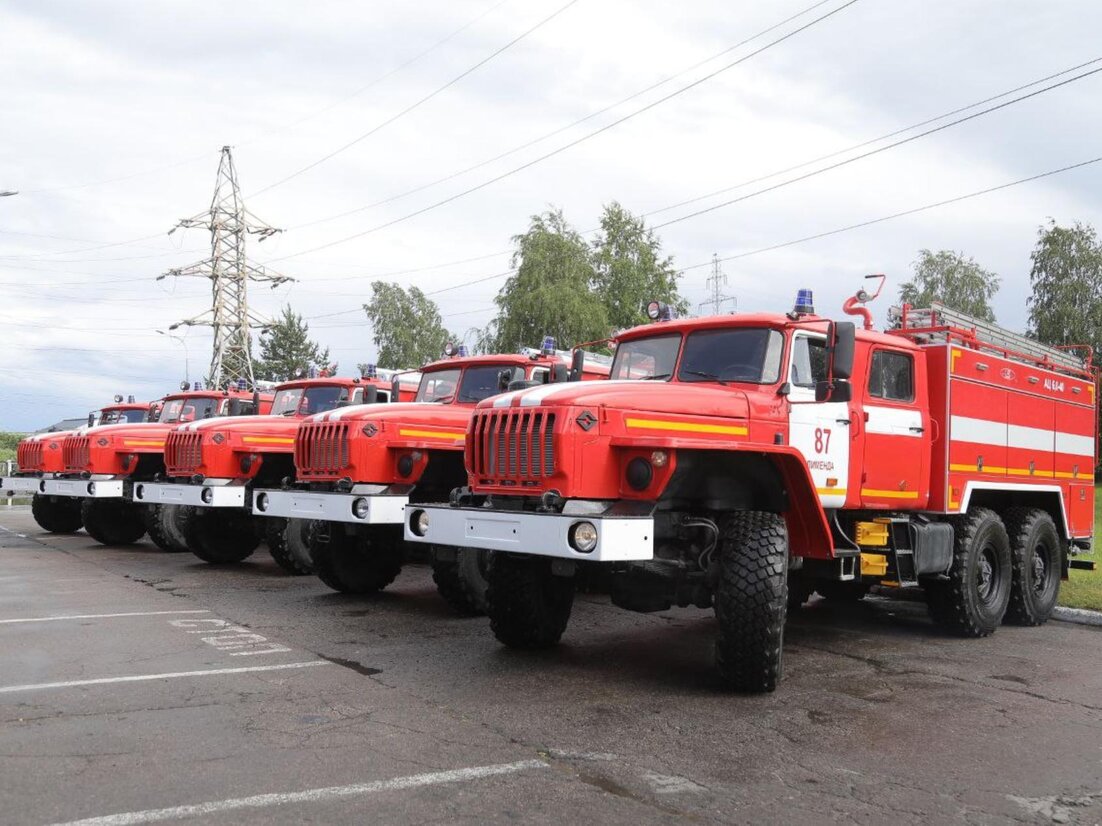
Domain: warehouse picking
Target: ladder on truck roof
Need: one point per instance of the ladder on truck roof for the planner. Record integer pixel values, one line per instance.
(939, 323)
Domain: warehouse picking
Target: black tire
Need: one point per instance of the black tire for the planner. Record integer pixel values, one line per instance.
(220, 536)
(1036, 557)
(165, 525)
(973, 601)
(112, 521)
(799, 591)
(462, 581)
(361, 561)
(529, 606)
(56, 514)
(836, 591)
(750, 600)
(289, 544)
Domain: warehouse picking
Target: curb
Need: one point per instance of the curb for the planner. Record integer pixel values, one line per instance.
(1079, 616)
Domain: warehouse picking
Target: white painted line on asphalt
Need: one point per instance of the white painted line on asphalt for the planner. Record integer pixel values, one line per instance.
(169, 675)
(261, 801)
(102, 616)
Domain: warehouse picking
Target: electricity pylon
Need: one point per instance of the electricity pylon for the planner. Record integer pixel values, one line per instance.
(229, 222)
(716, 282)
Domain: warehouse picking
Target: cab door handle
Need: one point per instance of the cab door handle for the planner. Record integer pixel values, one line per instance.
(917, 429)
(843, 421)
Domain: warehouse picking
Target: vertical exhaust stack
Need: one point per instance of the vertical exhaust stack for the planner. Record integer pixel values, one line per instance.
(855, 304)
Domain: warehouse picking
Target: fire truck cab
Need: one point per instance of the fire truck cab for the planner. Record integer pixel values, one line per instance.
(743, 462)
(356, 468)
(213, 465)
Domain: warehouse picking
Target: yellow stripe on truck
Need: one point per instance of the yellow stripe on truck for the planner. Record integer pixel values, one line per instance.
(143, 444)
(686, 427)
(889, 494)
(268, 440)
(432, 434)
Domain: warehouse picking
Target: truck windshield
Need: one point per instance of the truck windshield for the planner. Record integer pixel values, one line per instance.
(474, 384)
(646, 358)
(118, 416)
(188, 410)
(303, 401)
(742, 354)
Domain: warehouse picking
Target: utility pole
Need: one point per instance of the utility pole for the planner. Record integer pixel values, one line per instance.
(716, 282)
(228, 222)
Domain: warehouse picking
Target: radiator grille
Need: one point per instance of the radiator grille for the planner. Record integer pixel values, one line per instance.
(321, 449)
(513, 446)
(183, 452)
(75, 452)
(29, 455)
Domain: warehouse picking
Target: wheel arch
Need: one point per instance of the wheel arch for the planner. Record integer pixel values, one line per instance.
(1000, 496)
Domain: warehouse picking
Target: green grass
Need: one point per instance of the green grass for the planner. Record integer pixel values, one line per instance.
(1084, 588)
(8, 443)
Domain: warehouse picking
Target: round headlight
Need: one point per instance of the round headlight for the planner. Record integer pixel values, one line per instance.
(207, 495)
(660, 458)
(419, 522)
(583, 537)
(139, 491)
(361, 508)
(91, 488)
(639, 473)
(405, 465)
(42, 486)
(262, 502)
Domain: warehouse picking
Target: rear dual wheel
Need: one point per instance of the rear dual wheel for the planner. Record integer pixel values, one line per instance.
(1037, 562)
(56, 514)
(165, 524)
(461, 579)
(973, 599)
(289, 544)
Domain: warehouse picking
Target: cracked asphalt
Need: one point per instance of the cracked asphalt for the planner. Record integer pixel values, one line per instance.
(243, 681)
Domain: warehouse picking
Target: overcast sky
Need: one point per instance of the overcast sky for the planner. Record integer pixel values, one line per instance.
(112, 115)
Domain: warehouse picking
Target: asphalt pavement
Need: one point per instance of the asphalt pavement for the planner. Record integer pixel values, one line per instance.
(138, 686)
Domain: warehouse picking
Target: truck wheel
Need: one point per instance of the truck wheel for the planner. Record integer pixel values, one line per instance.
(835, 591)
(529, 606)
(462, 581)
(56, 514)
(750, 599)
(972, 602)
(165, 525)
(112, 521)
(220, 536)
(360, 562)
(289, 544)
(1036, 562)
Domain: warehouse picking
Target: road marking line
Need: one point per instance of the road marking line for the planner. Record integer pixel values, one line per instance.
(138, 678)
(261, 801)
(102, 616)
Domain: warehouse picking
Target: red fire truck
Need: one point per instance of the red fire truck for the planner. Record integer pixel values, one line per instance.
(213, 466)
(103, 462)
(356, 468)
(769, 456)
(39, 457)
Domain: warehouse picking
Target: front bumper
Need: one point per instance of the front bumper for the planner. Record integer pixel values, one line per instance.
(619, 538)
(96, 487)
(13, 485)
(214, 493)
(376, 507)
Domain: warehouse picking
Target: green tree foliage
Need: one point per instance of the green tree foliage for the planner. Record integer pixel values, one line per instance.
(630, 269)
(286, 350)
(406, 326)
(1066, 276)
(952, 279)
(550, 294)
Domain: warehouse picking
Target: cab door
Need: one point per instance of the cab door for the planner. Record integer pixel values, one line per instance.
(895, 472)
(819, 430)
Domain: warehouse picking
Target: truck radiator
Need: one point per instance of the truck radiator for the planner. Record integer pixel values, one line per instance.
(29, 455)
(183, 452)
(75, 452)
(321, 449)
(512, 446)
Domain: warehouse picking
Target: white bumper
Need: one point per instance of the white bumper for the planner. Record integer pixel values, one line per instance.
(107, 487)
(20, 484)
(381, 508)
(222, 493)
(619, 538)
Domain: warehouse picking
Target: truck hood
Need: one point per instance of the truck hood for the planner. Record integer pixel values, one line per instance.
(420, 412)
(127, 430)
(245, 425)
(697, 398)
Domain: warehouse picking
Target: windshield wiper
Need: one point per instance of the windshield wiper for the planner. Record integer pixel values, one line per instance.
(705, 375)
(656, 377)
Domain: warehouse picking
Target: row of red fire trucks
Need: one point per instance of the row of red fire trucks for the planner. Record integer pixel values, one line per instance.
(740, 463)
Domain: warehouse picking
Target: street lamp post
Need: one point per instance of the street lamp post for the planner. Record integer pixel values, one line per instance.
(183, 343)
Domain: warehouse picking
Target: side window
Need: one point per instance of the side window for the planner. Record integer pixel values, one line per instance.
(542, 375)
(357, 395)
(809, 361)
(891, 376)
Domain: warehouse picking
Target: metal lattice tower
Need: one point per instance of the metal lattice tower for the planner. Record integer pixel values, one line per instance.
(716, 282)
(229, 222)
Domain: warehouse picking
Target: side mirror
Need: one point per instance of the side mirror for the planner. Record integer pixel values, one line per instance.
(558, 373)
(256, 402)
(843, 343)
(394, 388)
(521, 384)
(840, 391)
(371, 394)
(577, 365)
(504, 379)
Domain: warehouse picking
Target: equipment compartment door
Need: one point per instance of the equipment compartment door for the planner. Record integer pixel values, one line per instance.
(820, 431)
(897, 447)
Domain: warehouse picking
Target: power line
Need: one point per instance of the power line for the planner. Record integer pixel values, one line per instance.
(575, 142)
(419, 102)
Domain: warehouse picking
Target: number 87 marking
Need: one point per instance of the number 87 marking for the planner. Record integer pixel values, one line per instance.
(822, 440)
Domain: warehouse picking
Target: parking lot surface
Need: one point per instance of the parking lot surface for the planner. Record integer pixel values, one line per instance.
(138, 686)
